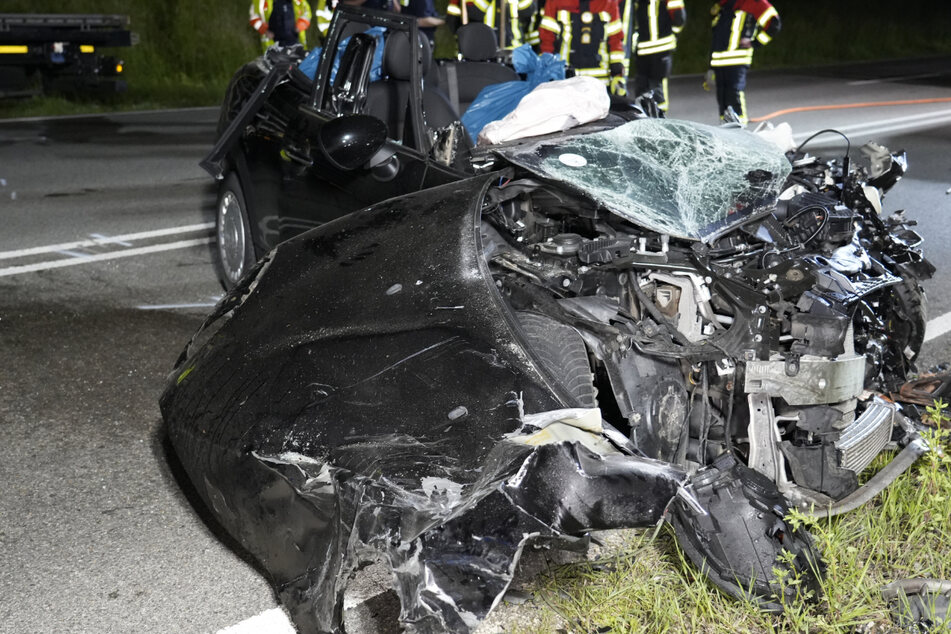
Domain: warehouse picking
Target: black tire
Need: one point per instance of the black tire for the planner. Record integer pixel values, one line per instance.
(562, 352)
(912, 313)
(234, 254)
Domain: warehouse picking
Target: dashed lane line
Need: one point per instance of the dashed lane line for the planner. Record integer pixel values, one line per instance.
(99, 257)
(99, 240)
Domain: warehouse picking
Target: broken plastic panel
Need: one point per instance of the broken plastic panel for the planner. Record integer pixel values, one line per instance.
(685, 179)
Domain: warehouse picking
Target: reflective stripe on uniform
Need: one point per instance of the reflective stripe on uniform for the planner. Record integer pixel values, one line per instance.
(768, 15)
(652, 15)
(600, 73)
(564, 20)
(741, 57)
(649, 47)
(736, 30)
(550, 24)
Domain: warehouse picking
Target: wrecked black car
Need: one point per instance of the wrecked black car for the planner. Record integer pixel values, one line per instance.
(637, 320)
(274, 180)
(626, 323)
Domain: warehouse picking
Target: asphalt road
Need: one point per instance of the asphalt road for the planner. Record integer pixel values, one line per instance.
(96, 535)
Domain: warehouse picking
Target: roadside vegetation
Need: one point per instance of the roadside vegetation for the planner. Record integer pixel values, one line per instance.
(188, 49)
(651, 587)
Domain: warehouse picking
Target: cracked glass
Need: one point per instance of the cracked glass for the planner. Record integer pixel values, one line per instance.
(685, 179)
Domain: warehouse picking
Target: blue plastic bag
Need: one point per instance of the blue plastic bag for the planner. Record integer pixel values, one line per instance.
(312, 61)
(496, 101)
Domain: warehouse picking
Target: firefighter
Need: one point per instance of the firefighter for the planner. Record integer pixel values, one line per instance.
(509, 28)
(739, 26)
(283, 22)
(651, 28)
(588, 36)
(323, 14)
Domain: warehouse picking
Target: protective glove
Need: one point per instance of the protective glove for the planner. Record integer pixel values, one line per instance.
(709, 80)
(618, 87)
(618, 84)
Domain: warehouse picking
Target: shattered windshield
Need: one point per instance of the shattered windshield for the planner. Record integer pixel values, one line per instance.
(677, 177)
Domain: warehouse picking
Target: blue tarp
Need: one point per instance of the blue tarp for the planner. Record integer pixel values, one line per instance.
(496, 101)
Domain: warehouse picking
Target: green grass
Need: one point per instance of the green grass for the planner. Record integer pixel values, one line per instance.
(188, 48)
(651, 587)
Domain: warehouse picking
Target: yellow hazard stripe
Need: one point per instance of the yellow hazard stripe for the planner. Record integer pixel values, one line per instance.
(769, 14)
(87, 48)
(612, 28)
(14, 49)
(763, 38)
(673, 5)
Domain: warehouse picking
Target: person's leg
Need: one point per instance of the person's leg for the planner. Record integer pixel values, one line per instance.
(721, 80)
(740, 108)
(731, 90)
(661, 71)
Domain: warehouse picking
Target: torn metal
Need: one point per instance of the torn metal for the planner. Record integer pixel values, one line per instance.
(538, 352)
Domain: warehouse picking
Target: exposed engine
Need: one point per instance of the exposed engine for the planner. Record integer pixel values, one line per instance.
(778, 341)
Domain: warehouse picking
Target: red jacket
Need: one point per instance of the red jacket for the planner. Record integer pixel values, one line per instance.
(589, 41)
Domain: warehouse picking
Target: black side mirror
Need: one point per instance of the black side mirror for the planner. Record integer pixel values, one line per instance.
(349, 142)
(345, 143)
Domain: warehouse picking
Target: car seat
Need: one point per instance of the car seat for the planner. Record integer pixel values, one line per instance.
(464, 79)
(388, 99)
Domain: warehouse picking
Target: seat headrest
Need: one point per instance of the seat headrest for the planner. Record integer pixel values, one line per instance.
(398, 60)
(477, 42)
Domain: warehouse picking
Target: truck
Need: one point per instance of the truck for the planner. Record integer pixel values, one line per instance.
(61, 53)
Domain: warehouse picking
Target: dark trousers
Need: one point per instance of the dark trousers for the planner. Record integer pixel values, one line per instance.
(651, 73)
(731, 87)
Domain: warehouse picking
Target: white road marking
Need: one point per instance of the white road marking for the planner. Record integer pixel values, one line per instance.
(272, 621)
(883, 126)
(73, 254)
(83, 244)
(175, 306)
(938, 326)
(125, 253)
(109, 240)
(866, 82)
(110, 115)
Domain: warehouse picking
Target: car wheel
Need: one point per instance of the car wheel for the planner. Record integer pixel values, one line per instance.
(562, 351)
(235, 252)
